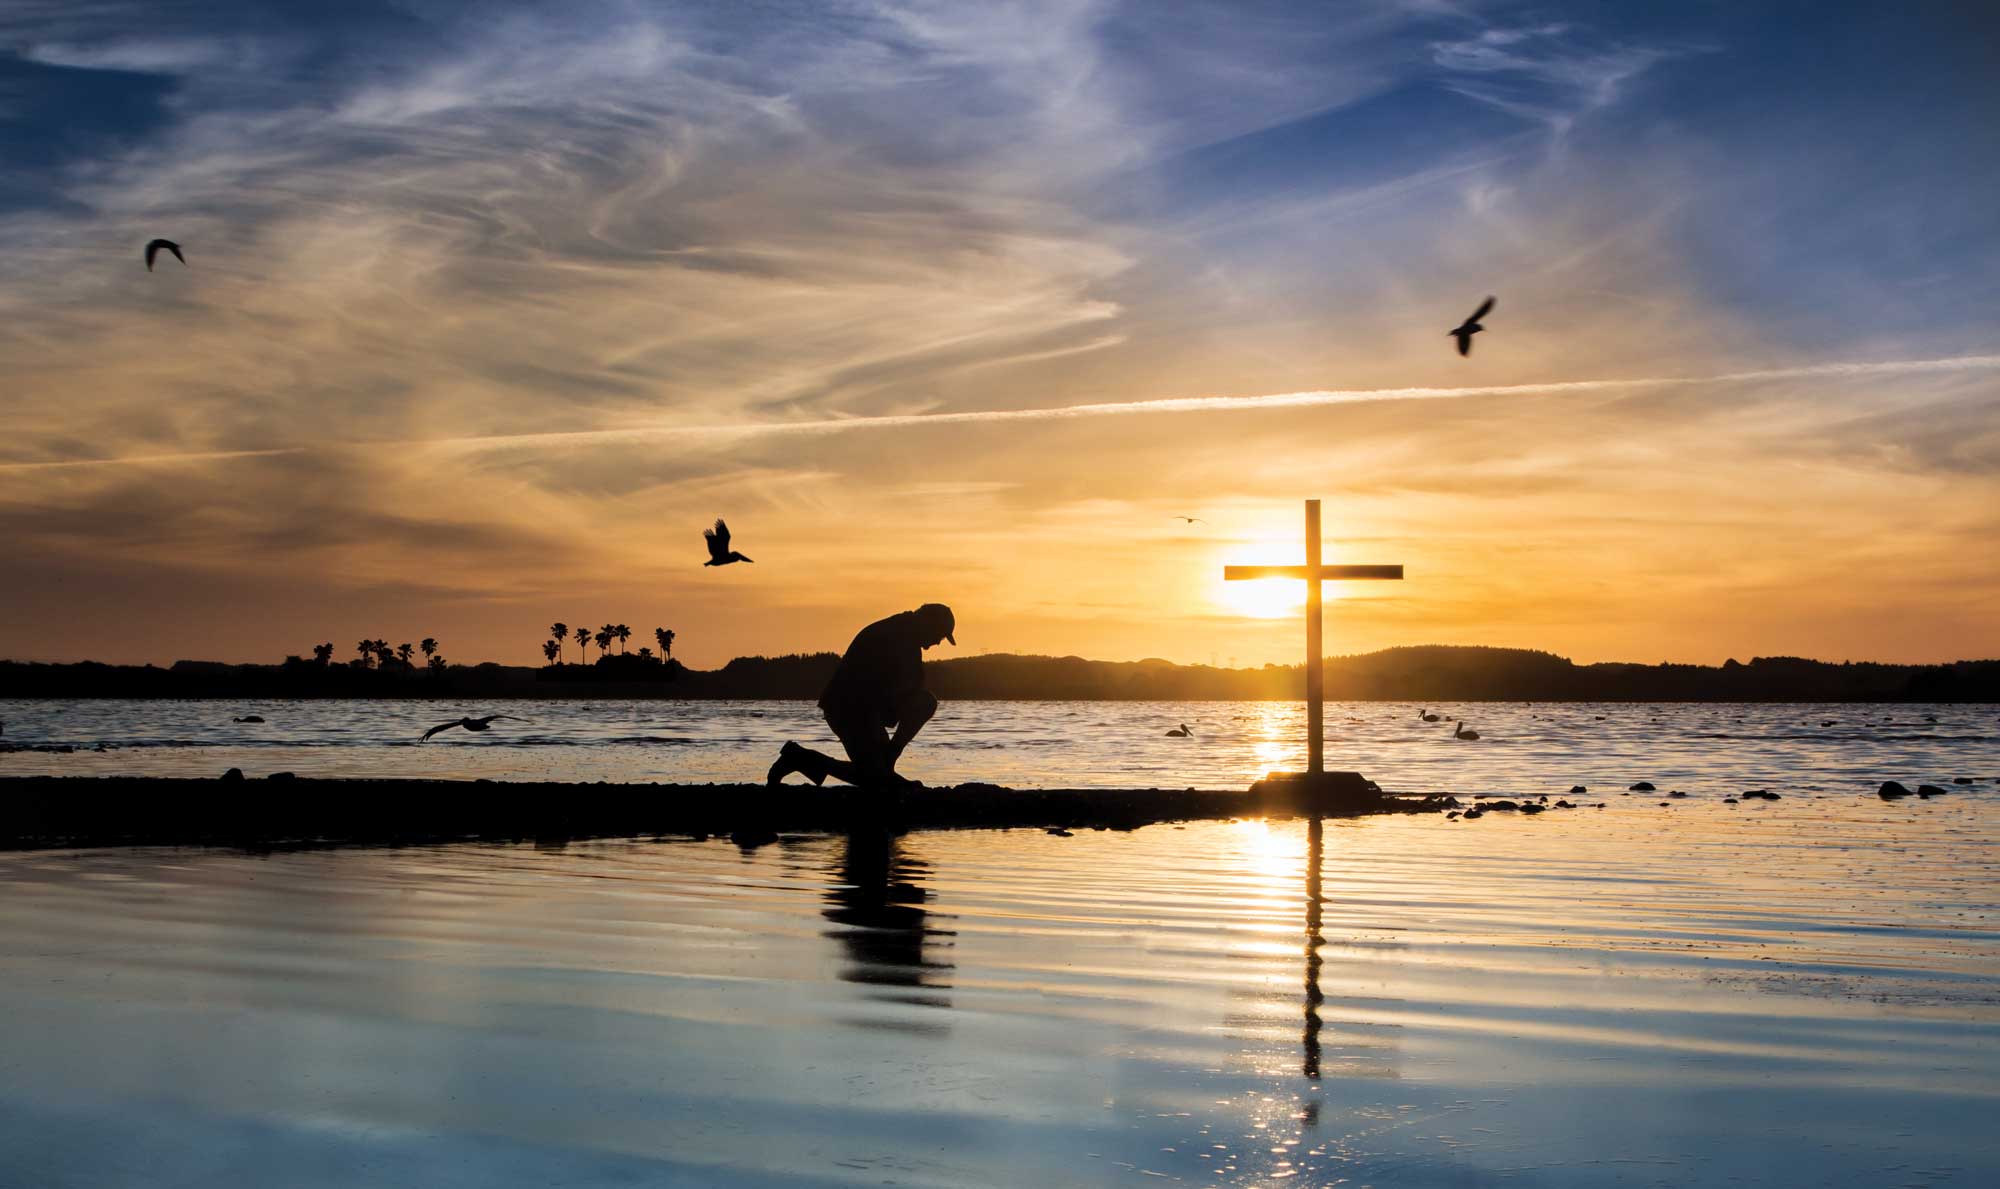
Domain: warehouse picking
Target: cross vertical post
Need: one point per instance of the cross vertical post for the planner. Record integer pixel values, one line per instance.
(1315, 669)
(1313, 573)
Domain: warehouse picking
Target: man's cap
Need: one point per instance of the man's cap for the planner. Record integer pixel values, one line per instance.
(943, 615)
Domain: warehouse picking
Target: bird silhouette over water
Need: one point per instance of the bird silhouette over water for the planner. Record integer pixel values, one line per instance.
(1466, 329)
(1182, 732)
(153, 249)
(1427, 716)
(1459, 732)
(719, 552)
(470, 724)
(1191, 519)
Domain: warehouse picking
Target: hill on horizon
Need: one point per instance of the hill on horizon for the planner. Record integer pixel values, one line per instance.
(1428, 672)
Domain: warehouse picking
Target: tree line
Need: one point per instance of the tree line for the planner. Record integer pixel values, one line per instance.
(379, 654)
(604, 637)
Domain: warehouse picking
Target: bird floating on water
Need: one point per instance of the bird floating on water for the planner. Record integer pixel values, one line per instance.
(1427, 716)
(153, 249)
(719, 552)
(1460, 732)
(1181, 732)
(470, 724)
(1466, 329)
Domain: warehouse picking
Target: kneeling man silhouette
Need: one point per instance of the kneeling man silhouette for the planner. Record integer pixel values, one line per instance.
(877, 688)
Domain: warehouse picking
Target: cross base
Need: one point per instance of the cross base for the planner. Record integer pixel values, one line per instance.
(1316, 792)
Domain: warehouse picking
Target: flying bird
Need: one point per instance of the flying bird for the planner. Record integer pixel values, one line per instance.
(719, 552)
(1191, 519)
(1470, 327)
(153, 249)
(470, 724)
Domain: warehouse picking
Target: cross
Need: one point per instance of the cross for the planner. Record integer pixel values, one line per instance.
(1313, 573)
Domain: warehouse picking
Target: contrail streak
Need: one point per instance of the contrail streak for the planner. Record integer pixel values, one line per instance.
(150, 459)
(1214, 404)
(1133, 408)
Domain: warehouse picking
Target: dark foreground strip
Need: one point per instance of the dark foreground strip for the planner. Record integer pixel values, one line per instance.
(65, 811)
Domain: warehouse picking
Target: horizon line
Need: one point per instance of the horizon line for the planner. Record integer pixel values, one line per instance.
(1515, 648)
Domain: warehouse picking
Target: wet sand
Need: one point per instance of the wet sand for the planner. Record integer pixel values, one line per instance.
(283, 810)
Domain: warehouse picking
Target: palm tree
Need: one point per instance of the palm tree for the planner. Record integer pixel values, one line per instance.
(582, 639)
(623, 633)
(438, 665)
(645, 654)
(560, 631)
(323, 653)
(550, 650)
(383, 653)
(430, 646)
(666, 639)
(603, 639)
(404, 651)
(367, 650)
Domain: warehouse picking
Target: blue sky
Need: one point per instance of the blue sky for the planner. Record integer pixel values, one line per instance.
(422, 234)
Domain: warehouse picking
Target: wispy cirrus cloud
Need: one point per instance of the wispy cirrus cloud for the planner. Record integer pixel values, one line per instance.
(1546, 73)
(490, 302)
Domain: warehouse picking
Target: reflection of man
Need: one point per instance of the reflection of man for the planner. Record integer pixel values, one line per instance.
(875, 903)
(877, 688)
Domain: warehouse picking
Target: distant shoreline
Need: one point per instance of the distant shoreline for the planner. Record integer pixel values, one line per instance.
(1430, 673)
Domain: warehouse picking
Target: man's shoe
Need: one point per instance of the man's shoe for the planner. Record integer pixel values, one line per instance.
(793, 758)
(892, 789)
(786, 764)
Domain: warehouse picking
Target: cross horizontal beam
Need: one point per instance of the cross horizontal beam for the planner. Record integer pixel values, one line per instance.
(1325, 573)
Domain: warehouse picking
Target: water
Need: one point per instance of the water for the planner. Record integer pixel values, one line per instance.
(1804, 992)
(1523, 747)
(1797, 992)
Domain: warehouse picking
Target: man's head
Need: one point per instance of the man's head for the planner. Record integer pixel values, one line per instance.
(937, 622)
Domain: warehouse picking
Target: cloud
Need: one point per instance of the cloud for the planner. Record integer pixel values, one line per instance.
(498, 304)
(1161, 405)
(148, 56)
(1544, 73)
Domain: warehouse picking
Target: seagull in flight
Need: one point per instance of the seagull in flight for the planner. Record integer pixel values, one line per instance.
(470, 724)
(1191, 519)
(153, 249)
(719, 552)
(1466, 329)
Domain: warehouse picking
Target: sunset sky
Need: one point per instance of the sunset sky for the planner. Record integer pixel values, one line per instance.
(489, 310)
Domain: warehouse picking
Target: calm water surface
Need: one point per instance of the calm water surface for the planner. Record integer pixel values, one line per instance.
(1523, 747)
(1799, 993)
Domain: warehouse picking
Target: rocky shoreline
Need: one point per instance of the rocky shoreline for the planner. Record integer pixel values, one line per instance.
(282, 810)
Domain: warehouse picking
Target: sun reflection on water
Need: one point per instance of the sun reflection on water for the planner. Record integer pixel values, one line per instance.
(1275, 736)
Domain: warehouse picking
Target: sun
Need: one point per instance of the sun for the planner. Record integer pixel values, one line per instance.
(1265, 598)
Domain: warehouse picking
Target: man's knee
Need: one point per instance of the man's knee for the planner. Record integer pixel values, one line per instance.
(918, 708)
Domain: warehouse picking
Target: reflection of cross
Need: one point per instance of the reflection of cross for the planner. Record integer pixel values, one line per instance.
(1313, 573)
(1309, 1038)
